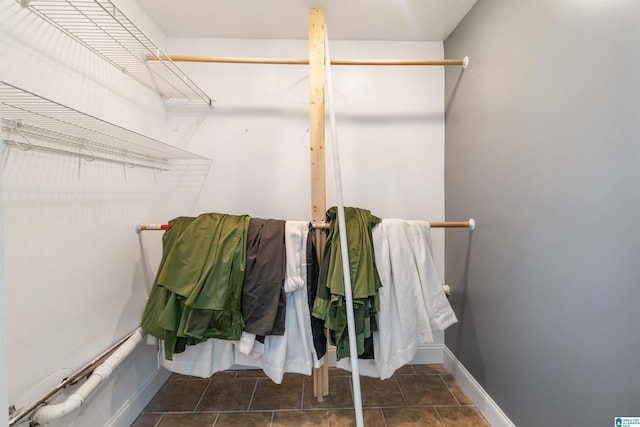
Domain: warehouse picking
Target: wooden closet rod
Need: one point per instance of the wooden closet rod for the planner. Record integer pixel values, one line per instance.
(471, 225)
(304, 61)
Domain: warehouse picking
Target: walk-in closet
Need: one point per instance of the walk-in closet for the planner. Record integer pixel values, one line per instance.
(173, 170)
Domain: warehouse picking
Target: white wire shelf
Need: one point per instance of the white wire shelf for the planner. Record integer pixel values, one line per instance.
(31, 121)
(101, 27)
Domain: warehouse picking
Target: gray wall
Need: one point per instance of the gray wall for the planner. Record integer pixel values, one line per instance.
(543, 149)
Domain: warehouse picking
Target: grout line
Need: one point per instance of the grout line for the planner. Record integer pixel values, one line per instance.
(158, 422)
(273, 415)
(253, 393)
(302, 396)
(439, 416)
(450, 391)
(404, 397)
(202, 395)
(215, 420)
(384, 420)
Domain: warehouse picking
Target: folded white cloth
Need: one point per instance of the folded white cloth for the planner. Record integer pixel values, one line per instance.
(412, 301)
(201, 360)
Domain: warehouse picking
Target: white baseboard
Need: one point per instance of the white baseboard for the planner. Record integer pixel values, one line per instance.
(483, 402)
(429, 354)
(128, 412)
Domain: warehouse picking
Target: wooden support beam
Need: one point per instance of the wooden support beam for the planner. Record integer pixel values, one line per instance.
(317, 155)
(317, 114)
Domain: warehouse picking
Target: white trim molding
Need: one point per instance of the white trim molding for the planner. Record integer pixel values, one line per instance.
(480, 398)
(139, 400)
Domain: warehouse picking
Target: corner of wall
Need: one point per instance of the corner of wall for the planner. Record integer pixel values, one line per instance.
(470, 387)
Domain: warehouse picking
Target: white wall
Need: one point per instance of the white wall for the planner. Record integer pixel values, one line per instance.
(77, 275)
(4, 399)
(390, 128)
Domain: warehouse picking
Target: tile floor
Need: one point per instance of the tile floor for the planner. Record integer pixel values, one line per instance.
(417, 395)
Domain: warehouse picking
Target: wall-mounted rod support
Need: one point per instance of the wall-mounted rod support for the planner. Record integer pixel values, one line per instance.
(142, 227)
(305, 61)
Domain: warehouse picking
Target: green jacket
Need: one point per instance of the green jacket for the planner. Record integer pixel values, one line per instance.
(330, 304)
(201, 276)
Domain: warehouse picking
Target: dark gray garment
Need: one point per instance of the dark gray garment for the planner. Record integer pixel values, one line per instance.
(313, 270)
(263, 297)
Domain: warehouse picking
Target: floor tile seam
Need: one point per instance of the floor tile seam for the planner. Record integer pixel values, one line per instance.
(158, 421)
(302, 395)
(273, 415)
(215, 420)
(328, 407)
(455, 406)
(450, 391)
(414, 406)
(384, 419)
(253, 393)
(439, 417)
(402, 393)
(182, 412)
(202, 395)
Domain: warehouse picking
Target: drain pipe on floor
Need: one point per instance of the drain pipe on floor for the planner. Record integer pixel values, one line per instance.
(49, 413)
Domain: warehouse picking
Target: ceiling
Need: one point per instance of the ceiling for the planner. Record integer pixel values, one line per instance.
(410, 20)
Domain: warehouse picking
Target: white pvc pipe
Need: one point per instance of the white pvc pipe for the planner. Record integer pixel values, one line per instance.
(353, 349)
(50, 413)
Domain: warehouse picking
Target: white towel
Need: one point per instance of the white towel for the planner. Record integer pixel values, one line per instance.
(295, 242)
(201, 360)
(412, 301)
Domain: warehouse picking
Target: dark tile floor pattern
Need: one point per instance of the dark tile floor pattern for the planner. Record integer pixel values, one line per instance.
(417, 395)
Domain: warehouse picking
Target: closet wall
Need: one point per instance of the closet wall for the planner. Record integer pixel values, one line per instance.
(542, 148)
(76, 274)
(390, 128)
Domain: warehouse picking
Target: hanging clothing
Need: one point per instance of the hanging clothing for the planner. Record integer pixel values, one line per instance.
(313, 271)
(292, 352)
(159, 295)
(412, 300)
(202, 359)
(203, 274)
(263, 295)
(330, 304)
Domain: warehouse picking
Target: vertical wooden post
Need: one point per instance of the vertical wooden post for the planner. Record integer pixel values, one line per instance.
(316, 113)
(317, 154)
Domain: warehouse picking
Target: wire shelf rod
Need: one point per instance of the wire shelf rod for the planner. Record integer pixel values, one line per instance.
(36, 112)
(132, 165)
(79, 143)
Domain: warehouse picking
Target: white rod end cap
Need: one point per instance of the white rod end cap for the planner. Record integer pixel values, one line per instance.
(465, 62)
(472, 224)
